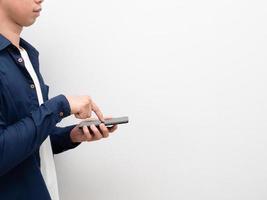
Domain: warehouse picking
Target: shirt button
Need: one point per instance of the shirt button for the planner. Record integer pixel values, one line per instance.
(61, 114)
(32, 85)
(20, 60)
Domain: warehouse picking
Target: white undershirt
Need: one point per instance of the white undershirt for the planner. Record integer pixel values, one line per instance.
(48, 169)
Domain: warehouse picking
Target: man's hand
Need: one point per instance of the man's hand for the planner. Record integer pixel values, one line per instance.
(85, 134)
(82, 107)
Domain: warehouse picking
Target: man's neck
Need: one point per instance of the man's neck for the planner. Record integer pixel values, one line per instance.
(10, 30)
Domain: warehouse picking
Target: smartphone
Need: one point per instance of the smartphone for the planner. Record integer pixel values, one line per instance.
(108, 122)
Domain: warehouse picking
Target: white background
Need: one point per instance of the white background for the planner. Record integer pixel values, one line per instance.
(191, 76)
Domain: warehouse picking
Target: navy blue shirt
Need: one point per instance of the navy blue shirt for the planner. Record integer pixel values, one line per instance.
(24, 124)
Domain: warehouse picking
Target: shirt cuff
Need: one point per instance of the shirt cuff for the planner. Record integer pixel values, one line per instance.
(60, 106)
(66, 138)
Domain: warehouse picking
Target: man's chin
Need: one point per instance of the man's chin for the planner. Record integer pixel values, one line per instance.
(29, 23)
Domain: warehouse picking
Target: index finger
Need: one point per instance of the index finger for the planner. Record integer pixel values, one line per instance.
(97, 111)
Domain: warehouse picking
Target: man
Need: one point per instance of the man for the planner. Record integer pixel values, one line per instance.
(28, 133)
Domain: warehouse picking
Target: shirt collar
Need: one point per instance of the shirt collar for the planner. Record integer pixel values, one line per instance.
(4, 42)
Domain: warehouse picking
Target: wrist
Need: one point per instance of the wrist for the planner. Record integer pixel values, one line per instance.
(72, 137)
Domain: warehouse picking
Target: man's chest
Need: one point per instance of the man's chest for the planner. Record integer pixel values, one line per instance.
(18, 89)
